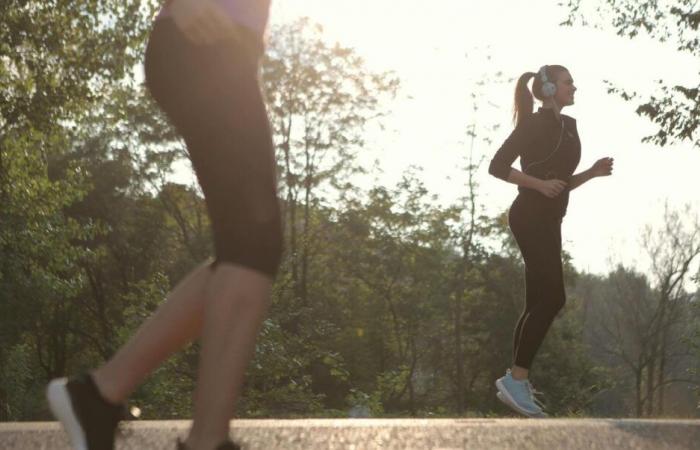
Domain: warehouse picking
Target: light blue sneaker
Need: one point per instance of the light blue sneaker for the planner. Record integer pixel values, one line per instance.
(501, 397)
(519, 395)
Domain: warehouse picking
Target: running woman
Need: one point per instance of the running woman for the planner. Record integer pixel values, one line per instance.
(201, 67)
(549, 149)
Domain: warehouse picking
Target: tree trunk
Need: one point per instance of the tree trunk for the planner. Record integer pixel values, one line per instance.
(459, 357)
(292, 225)
(3, 190)
(462, 269)
(650, 375)
(411, 391)
(305, 244)
(660, 382)
(638, 391)
(291, 203)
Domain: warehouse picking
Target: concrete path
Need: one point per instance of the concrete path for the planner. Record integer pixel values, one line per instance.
(394, 434)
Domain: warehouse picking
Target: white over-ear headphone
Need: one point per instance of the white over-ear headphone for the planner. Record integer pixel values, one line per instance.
(548, 88)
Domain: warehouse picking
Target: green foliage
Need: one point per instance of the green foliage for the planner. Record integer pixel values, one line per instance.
(675, 109)
(387, 303)
(23, 390)
(57, 55)
(572, 379)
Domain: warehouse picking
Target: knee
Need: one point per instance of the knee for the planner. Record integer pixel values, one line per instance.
(266, 238)
(559, 302)
(255, 245)
(274, 249)
(555, 295)
(551, 290)
(552, 299)
(235, 290)
(272, 241)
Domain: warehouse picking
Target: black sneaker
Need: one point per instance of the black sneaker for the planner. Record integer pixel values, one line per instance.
(89, 420)
(228, 445)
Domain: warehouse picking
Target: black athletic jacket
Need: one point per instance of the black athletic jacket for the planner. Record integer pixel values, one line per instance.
(534, 140)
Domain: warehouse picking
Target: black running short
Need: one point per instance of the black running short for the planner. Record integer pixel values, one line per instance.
(212, 96)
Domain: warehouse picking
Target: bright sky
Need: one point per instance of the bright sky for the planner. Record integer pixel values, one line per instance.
(426, 42)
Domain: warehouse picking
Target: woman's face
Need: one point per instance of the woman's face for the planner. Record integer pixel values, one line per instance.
(565, 89)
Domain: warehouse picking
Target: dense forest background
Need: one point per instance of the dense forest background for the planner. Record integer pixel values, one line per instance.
(388, 302)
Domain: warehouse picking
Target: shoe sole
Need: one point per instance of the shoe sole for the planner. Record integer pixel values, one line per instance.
(62, 408)
(506, 398)
(501, 397)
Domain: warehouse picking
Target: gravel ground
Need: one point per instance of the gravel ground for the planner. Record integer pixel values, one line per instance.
(384, 434)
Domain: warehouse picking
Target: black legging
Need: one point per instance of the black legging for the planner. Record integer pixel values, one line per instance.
(538, 234)
(211, 95)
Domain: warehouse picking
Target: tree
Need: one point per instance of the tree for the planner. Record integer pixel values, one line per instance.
(399, 244)
(675, 109)
(644, 324)
(469, 235)
(57, 62)
(674, 251)
(320, 98)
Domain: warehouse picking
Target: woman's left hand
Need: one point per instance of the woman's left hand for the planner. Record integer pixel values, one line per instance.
(603, 167)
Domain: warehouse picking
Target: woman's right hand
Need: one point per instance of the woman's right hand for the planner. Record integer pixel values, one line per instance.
(202, 21)
(551, 188)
